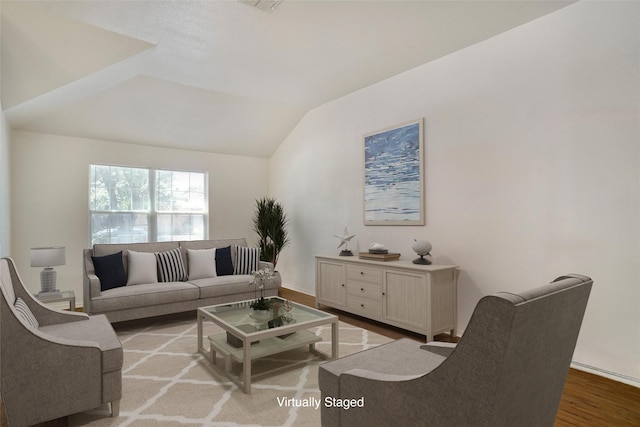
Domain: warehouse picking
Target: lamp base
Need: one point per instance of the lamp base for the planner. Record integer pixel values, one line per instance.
(346, 253)
(48, 280)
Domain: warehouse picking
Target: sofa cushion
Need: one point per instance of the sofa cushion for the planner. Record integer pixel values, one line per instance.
(144, 295)
(224, 264)
(202, 263)
(142, 268)
(170, 266)
(247, 260)
(25, 313)
(96, 329)
(381, 359)
(224, 285)
(110, 270)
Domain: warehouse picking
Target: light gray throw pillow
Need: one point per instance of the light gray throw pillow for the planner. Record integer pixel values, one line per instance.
(142, 268)
(202, 263)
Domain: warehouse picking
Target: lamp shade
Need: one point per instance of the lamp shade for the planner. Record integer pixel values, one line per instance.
(47, 257)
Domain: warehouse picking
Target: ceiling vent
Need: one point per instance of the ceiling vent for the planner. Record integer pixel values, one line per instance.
(266, 5)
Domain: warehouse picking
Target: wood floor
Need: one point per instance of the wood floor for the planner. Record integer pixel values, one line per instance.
(587, 401)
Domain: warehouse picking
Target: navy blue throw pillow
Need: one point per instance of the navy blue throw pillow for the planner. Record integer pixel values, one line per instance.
(224, 265)
(110, 271)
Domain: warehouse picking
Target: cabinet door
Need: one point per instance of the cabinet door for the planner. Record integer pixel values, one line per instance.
(405, 300)
(331, 284)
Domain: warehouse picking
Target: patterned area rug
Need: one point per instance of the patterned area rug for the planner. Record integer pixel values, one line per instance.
(167, 383)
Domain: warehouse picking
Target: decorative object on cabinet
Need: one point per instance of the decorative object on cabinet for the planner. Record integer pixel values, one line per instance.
(48, 258)
(344, 241)
(393, 256)
(378, 248)
(270, 223)
(394, 175)
(418, 298)
(422, 248)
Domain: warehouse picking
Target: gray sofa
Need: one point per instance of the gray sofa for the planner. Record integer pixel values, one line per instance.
(156, 298)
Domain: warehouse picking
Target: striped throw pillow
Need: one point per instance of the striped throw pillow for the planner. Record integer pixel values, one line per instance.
(170, 266)
(247, 260)
(25, 313)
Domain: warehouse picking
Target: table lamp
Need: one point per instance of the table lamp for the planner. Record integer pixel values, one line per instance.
(48, 258)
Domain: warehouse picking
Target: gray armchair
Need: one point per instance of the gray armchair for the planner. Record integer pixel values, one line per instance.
(63, 364)
(509, 368)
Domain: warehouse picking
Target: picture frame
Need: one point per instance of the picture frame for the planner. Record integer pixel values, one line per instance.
(394, 175)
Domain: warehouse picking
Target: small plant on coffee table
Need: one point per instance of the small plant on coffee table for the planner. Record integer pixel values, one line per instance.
(259, 280)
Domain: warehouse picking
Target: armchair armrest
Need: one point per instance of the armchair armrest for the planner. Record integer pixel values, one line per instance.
(44, 315)
(47, 316)
(379, 376)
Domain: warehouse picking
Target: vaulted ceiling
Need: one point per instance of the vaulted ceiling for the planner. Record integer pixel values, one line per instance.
(219, 75)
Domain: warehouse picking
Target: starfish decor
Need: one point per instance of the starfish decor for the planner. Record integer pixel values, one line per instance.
(344, 241)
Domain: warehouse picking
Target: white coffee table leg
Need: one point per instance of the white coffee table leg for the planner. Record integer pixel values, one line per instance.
(246, 367)
(200, 347)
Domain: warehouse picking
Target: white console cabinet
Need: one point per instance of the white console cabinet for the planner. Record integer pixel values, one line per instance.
(419, 298)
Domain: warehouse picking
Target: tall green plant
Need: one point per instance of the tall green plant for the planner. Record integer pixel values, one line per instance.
(270, 222)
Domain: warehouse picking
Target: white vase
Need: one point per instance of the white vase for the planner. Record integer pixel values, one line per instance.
(261, 316)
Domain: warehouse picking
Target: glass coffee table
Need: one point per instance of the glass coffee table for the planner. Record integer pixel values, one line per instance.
(246, 339)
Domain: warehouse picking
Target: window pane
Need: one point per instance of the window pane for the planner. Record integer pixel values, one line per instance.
(197, 182)
(180, 227)
(119, 227)
(114, 188)
(164, 227)
(197, 202)
(139, 182)
(163, 191)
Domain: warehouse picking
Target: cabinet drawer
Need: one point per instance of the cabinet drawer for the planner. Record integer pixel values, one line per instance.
(364, 274)
(365, 306)
(364, 289)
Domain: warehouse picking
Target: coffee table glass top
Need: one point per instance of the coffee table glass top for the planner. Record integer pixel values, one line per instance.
(239, 313)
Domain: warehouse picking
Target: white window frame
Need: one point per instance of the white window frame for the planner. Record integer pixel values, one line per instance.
(152, 213)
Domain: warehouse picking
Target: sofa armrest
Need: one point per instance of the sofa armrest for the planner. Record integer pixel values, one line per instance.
(91, 282)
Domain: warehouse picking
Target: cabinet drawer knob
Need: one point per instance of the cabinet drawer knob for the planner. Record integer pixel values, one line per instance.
(383, 294)
(342, 285)
(362, 289)
(362, 305)
(362, 273)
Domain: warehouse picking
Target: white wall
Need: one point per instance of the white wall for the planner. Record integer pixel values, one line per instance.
(50, 189)
(532, 169)
(5, 207)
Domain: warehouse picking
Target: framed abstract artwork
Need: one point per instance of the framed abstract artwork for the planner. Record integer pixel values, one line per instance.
(394, 175)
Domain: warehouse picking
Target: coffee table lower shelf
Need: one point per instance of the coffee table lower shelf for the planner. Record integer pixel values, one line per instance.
(266, 347)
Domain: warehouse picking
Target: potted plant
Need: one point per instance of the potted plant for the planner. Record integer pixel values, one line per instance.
(270, 222)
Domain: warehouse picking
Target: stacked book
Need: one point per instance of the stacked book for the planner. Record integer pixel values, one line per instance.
(379, 256)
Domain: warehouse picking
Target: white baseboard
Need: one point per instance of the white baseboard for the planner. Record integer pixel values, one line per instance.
(635, 382)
